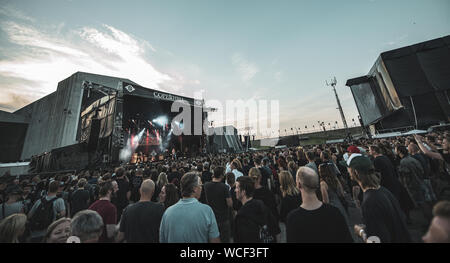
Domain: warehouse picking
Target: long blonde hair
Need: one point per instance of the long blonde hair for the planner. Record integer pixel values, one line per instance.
(12, 227)
(162, 180)
(287, 184)
(255, 174)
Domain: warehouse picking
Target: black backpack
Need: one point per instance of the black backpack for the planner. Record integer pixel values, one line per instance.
(43, 216)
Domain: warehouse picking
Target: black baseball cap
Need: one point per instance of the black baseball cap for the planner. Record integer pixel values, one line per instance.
(359, 162)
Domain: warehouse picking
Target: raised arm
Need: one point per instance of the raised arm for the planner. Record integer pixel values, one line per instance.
(433, 155)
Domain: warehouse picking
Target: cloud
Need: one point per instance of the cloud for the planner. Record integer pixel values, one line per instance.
(245, 69)
(398, 40)
(37, 58)
(278, 75)
(11, 12)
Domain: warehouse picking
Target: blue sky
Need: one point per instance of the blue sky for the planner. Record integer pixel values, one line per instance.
(273, 50)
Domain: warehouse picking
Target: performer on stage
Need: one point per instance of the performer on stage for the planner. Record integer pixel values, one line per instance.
(139, 158)
(174, 153)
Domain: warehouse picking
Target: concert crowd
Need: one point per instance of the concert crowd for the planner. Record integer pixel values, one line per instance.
(304, 194)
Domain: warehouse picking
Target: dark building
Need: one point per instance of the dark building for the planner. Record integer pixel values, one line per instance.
(406, 88)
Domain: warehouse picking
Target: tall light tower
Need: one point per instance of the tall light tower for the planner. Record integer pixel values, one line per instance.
(333, 84)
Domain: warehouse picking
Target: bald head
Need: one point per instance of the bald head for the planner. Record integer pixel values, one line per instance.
(307, 179)
(413, 148)
(147, 189)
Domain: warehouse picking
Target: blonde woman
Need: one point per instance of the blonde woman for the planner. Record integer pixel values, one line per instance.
(290, 195)
(12, 227)
(58, 231)
(263, 193)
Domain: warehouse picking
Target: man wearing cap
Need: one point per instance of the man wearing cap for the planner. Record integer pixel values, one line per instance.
(381, 211)
(356, 191)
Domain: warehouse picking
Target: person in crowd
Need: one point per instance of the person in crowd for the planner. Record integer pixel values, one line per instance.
(199, 223)
(381, 211)
(58, 231)
(384, 167)
(331, 189)
(291, 197)
(439, 230)
(427, 149)
(265, 175)
(107, 211)
(12, 228)
(140, 221)
(301, 159)
(310, 156)
(206, 174)
(424, 160)
(292, 168)
(234, 169)
(46, 210)
(228, 165)
(246, 166)
(411, 176)
(231, 182)
(80, 198)
(174, 176)
(160, 183)
(314, 221)
(169, 195)
(262, 193)
(254, 223)
(13, 204)
(87, 225)
(136, 185)
(218, 198)
(124, 193)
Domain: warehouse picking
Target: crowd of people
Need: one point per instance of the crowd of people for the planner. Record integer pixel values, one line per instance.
(298, 194)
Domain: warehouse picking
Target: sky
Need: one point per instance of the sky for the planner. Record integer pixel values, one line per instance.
(227, 50)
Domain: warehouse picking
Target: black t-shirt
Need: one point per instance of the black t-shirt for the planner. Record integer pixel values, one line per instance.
(80, 200)
(173, 175)
(206, 177)
(268, 199)
(383, 217)
(383, 165)
(124, 187)
(216, 194)
(323, 225)
(136, 184)
(140, 222)
(289, 203)
(246, 169)
(423, 159)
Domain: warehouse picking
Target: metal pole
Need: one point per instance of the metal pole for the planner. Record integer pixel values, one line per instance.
(340, 107)
(414, 110)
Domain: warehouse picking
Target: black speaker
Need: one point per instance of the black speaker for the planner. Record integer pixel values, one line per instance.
(94, 132)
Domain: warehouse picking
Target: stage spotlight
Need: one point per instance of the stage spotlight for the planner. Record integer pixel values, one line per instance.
(161, 120)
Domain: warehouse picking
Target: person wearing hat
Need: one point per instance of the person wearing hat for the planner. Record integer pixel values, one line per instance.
(381, 211)
(13, 204)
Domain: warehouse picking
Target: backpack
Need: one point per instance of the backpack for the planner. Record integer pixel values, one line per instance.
(264, 235)
(43, 216)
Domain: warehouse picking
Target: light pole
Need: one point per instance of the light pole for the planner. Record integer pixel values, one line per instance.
(333, 84)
